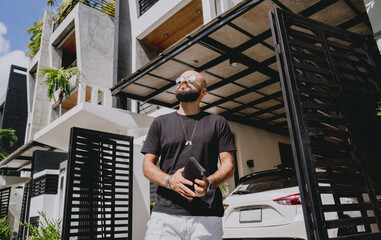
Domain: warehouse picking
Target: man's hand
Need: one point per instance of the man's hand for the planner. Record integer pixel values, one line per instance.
(201, 186)
(178, 183)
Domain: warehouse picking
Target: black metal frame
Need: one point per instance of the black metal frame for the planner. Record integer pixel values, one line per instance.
(47, 184)
(98, 200)
(5, 195)
(274, 123)
(318, 98)
(24, 210)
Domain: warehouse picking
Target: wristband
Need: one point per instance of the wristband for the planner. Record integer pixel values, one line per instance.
(167, 181)
(210, 184)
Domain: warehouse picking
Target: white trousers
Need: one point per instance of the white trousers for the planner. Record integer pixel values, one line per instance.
(172, 227)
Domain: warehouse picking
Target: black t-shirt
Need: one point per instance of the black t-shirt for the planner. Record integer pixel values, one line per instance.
(166, 139)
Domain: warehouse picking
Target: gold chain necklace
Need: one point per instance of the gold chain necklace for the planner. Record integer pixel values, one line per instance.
(189, 142)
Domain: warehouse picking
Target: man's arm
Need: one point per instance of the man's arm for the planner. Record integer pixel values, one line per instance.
(220, 176)
(155, 175)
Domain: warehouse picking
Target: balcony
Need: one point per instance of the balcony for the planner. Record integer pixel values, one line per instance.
(147, 108)
(104, 6)
(80, 92)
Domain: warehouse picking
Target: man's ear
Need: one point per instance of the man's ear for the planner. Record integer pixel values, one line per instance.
(204, 92)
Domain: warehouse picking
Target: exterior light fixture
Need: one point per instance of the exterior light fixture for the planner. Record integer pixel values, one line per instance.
(234, 62)
(250, 163)
(166, 35)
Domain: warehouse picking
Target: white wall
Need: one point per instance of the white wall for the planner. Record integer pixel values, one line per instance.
(141, 196)
(48, 203)
(373, 8)
(15, 204)
(256, 144)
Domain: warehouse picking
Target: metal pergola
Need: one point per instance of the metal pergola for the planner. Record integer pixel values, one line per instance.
(249, 93)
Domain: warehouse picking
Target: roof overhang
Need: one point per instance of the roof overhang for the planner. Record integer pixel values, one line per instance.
(21, 159)
(56, 136)
(249, 93)
(95, 117)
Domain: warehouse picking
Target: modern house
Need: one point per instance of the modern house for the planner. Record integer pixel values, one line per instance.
(13, 106)
(13, 115)
(286, 83)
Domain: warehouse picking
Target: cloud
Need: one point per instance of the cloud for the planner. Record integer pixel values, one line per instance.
(7, 59)
(16, 58)
(4, 44)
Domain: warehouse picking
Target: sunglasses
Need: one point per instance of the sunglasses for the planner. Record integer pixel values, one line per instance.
(190, 79)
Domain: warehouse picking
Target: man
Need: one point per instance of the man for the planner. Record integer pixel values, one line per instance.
(183, 212)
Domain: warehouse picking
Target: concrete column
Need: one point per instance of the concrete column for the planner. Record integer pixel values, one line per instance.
(55, 57)
(81, 93)
(41, 104)
(94, 95)
(373, 8)
(208, 10)
(222, 6)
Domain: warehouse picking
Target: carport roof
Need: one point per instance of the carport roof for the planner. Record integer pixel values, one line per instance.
(249, 93)
(23, 156)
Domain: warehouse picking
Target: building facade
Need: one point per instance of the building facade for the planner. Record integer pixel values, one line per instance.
(129, 60)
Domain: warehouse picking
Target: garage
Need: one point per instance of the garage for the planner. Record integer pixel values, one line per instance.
(309, 70)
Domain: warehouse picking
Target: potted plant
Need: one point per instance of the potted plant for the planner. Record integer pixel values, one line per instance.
(53, 78)
(34, 42)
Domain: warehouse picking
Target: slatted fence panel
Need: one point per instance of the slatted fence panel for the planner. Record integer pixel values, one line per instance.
(99, 186)
(331, 86)
(5, 194)
(47, 184)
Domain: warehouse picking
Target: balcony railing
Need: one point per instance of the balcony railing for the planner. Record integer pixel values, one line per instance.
(144, 5)
(101, 5)
(73, 64)
(147, 108)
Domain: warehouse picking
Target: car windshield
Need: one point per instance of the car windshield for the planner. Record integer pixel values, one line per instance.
(267, 181)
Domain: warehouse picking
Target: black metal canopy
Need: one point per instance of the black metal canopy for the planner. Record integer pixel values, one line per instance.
(23, 156)
(249, 93)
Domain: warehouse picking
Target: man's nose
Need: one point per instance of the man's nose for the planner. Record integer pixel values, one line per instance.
(184, 81)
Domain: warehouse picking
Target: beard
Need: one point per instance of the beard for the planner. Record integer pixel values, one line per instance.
(190, 95)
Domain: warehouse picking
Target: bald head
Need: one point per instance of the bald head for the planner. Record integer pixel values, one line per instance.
(200, 78)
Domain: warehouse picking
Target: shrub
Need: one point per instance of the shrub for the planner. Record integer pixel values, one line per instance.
(5, 230)
(46, 229)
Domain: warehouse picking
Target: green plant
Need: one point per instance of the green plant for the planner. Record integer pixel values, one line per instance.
(52, 78)
(5, 230)
(46, 229)
(379, 109)
(11, 136)
(50, 3)
(224, 189)
(34, 42)
(61, 8)
(108, 7)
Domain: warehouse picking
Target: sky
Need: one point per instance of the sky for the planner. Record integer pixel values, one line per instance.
(15, 17)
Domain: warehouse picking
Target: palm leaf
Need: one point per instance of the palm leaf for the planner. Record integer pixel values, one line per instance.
(10, 134)
(35, 33)
(51, 77)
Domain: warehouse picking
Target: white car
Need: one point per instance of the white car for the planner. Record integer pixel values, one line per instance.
(267, 205)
